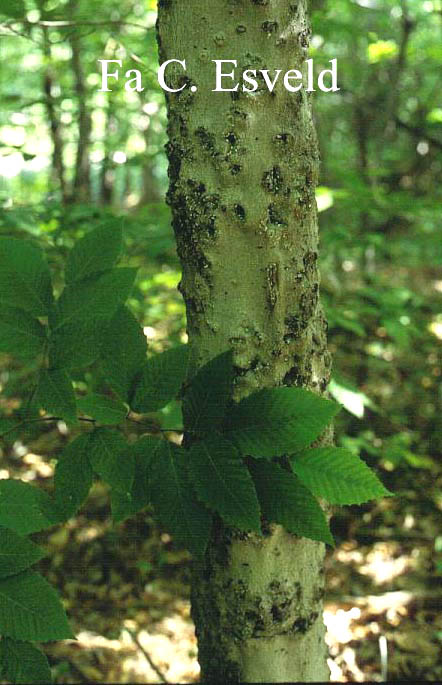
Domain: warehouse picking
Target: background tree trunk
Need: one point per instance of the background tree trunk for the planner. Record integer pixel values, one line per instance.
(58, 174)
(81, 188)
(243, 171)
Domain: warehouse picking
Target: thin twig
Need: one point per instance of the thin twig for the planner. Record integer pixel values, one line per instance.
(147, 656)
(67, 24)
(45, 419)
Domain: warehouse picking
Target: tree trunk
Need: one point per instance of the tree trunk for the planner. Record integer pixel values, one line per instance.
(81, 189)
(243, 170)
(107, 174)
(57, 178)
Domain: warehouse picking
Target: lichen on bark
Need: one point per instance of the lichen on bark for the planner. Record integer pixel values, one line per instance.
(243, 170)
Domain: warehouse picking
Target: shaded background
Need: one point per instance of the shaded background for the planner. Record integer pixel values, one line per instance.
(71, 156)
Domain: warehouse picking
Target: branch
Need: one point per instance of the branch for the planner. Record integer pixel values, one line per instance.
(147, 656)
(416, 131)
(67, 24)
(44, 419)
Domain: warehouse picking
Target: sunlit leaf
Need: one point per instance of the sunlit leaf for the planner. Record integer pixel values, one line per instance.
(278, 421)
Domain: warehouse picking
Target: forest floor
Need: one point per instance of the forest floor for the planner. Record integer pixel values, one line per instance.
(126, 589)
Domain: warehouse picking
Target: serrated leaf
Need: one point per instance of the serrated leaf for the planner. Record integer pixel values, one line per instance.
(128, 504)
(25, 508)
(98, 296)
(13, 8)
(285, 500)
(77, 344)
(179, 511)
(73, 477)
(223, 482)
(97, 251)
(338, 476)
(23, 663)
(16, 553)
(208, 394)
(20, 334)
(278, 421)
(103, 409)
(25, 281)
(123, 352)
(31, 610)
(160, 380)
(111, 459)
(55, 394)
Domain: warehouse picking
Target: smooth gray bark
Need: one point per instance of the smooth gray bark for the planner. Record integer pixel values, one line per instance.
(243, 171)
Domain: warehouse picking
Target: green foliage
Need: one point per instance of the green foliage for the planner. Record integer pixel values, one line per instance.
(98, 296)
(30, 609)
(56, 394)
(174, 501)
(338, 476)
(123, 352)
(285, 500)
(111, 460)
(129, 503)
(22, 663)
(17, 553)
(102, 408)
(25, 281)
(13, 8)
(73, 477)
(160, 380)
(209, 393)
(96, 252)
(25, 508)
(20, 333)
(75, 345)
(223, 482)
(278, 421)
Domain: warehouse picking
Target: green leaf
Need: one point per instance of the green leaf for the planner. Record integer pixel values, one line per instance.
(111, 459)
(104, 409)
(55, 394)
(98, 251)
(20, 334)
(208, 394)
(123, 352)
(23, 663)
(25, 508)
(78, 344)
(96, 297)
(338, 476)
(31, 610)
(128, 504)
(16, 553)
(223, 482)
(73, 477)
(285, 500)
(160, 380)
(25, 281)
(173, 499)
(278, 421)
(13, 8)
(171, 416)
